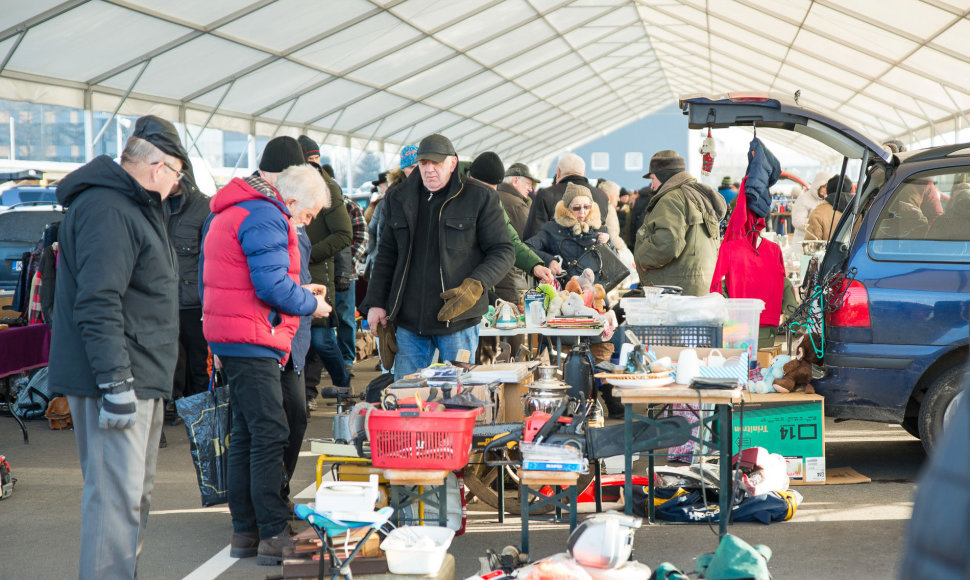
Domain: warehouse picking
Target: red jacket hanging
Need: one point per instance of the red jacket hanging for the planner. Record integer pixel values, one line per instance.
(749, 265)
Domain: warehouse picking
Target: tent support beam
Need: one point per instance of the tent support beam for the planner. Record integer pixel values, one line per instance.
(13, 49)
(121, 103)
(212, 114)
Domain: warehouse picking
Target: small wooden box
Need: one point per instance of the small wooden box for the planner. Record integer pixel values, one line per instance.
(511, 403)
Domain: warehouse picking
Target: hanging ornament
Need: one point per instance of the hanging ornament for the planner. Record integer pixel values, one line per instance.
(707, 150)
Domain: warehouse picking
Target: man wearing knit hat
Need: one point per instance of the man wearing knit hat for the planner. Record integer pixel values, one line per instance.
(449, 244)
(570, 169)
(252, 302)
(311, 151)
(678, 242)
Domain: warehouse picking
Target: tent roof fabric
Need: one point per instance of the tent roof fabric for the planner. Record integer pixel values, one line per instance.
(528, 79)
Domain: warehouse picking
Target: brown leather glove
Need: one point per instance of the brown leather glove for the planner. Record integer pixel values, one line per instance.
(387, 343)
(459, 300)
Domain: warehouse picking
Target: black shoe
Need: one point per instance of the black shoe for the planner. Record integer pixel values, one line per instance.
(272, 551)
(244, 545)
(163, 442)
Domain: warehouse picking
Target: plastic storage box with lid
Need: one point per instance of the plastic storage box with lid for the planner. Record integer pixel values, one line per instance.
(741, 327)
(417, 549)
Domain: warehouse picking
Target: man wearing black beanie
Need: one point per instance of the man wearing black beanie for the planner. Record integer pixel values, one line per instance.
(279, 153)
(678, 242)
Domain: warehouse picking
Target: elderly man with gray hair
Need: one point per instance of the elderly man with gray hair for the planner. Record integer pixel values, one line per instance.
(570, 169)
(252, 302)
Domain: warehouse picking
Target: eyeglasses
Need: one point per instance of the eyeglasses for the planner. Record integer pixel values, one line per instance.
(581, 207)
(178, 174)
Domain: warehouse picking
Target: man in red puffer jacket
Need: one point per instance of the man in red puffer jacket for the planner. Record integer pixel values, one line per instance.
(251, 307)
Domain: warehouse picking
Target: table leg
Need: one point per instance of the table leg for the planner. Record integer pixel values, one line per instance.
(443, 504)
(598, 485)
(501, 494)
(573, 506)
(628, 459)
(651, 488)
(396, 504)
(524, 512)
(727, 487)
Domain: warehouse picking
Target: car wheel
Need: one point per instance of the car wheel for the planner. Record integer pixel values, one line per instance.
(911, 425)
(938, 404)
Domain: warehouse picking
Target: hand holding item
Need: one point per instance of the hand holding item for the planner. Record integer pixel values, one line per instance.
(317, 289)
(543, 274)
(602, 237)
(119, 406)
(555, 268)
(323, 309)
(376, 317)
(458, 300)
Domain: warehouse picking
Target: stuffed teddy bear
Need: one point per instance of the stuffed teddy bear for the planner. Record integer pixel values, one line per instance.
(573, 306)
(774, 373)
(798, 371)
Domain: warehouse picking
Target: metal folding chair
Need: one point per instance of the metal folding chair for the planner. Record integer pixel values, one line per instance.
(327, 527)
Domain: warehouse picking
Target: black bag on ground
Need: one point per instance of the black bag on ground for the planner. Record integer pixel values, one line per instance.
(375, 388)
(606, 265)
(208, 421)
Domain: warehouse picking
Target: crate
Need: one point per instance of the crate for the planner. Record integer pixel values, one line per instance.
(685, 336)
(421, 440)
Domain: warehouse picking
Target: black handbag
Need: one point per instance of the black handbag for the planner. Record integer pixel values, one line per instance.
(608, 269)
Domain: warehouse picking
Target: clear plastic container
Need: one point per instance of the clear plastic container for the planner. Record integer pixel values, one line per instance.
(741, 327)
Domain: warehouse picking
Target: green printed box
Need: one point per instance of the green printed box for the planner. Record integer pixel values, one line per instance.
(788, 424)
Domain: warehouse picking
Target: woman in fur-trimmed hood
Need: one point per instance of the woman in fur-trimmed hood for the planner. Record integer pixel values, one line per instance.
(575, 227)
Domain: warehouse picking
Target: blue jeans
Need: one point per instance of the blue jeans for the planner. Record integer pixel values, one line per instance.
(325, 343)
(346, 324)
(414, 351)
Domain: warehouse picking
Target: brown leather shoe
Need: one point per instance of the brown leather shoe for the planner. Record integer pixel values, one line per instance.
(244, 545)
(272, 550)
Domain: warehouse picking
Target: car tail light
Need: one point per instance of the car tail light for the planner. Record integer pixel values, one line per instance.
(854, 311)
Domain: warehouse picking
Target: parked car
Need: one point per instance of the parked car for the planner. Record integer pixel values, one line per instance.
(27, 193)
(896, 348)
(21, 227)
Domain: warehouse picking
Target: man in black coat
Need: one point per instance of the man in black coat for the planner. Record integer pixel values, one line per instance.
(115, 335)
(570, 169)
(188, 209)
(444, 241)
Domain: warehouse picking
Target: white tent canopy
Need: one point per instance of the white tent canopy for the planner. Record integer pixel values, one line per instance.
(528, 79)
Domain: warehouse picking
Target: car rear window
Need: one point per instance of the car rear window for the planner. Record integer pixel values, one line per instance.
(15, 196)
(26, 226)
(926, 219)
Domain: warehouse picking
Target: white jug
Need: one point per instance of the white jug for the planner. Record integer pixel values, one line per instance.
(688, 366)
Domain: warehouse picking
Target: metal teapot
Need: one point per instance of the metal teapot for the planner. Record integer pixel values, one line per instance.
(546, 393)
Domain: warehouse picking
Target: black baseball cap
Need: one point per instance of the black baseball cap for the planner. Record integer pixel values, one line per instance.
(435, 148)
(161, 134)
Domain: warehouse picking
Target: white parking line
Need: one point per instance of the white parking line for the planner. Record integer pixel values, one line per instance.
(221, 562)
(215, 566)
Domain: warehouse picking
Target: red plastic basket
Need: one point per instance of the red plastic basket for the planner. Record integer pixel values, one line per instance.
(415, 440)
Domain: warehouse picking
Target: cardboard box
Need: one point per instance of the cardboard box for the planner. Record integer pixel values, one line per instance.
(766, 355)
(510, 410)
(790, 424)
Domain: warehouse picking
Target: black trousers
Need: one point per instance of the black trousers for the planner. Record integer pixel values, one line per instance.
(294, 407)
(258, 440)
(191, 371)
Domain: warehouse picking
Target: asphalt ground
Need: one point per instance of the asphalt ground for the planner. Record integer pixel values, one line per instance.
(839, 531)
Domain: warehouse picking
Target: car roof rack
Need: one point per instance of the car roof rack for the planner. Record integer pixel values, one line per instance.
(936, 152)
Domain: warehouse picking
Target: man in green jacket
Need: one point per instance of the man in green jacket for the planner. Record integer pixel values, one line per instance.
(678, 242)
(329, 233)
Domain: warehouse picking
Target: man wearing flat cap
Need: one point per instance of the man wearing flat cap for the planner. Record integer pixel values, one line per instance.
(443, 243)
(678, 242)
(115, 335)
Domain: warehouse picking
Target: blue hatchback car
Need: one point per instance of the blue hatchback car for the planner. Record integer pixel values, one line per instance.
(896, 345)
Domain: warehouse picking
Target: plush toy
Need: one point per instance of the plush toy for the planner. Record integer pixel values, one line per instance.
(573, 306)
(707, 150)
(774, 372)
(555, 307)
(798, 371)
(573, 286)
(587, 279)
(599, 297)
(549, 292)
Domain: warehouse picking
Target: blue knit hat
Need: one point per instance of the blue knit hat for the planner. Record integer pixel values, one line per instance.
(409, 156)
